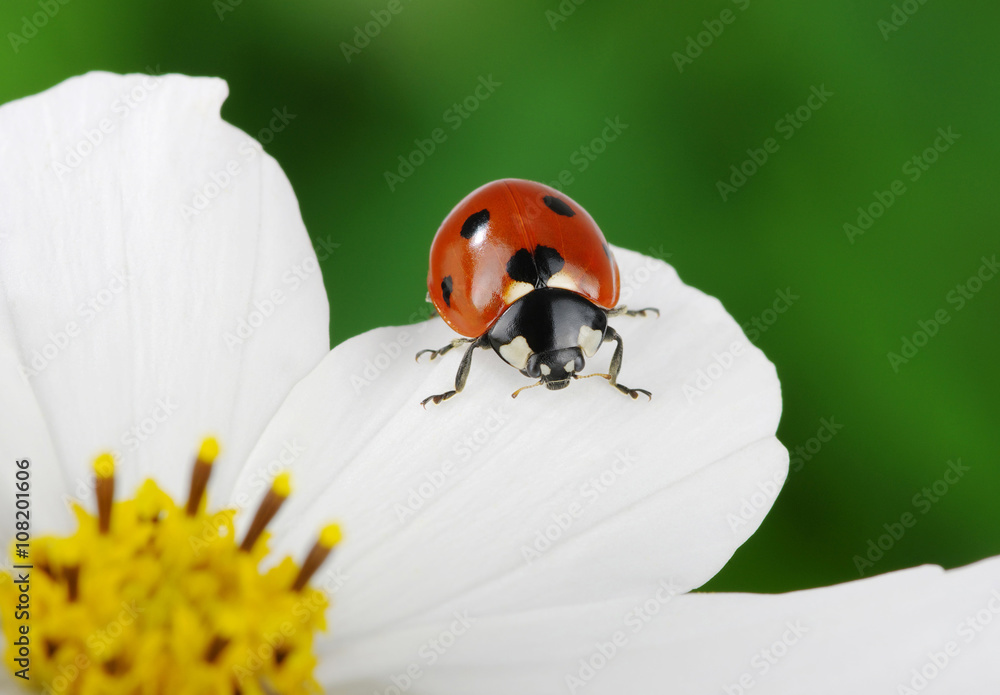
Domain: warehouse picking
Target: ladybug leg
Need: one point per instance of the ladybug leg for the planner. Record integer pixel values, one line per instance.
(440, 351)
(625, 311)
(616, 366)
(463, 368)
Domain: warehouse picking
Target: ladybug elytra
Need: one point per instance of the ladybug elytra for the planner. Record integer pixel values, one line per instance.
(520, 268)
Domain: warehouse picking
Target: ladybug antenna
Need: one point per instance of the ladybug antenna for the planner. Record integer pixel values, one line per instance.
(587, 376)
(523, 388)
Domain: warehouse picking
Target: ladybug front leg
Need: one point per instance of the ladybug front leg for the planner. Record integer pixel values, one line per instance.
(440, 351)
(463, 368)
(624, 311)
(616, 365)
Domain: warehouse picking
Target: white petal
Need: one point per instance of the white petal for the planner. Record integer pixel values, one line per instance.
(7, 684)
(914, 631)
(24, 436)
(128, 292)
(481, 478)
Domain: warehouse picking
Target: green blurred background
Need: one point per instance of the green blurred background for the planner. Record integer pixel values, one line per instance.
(562, 70)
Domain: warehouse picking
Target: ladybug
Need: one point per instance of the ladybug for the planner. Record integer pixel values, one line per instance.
(521, 268)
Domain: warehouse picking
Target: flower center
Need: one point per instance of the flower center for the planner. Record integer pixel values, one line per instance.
(152, 597)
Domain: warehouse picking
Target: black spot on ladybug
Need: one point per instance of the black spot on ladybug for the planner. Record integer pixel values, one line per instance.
(535, 269)
(558, 206)
(549, 262)
(521, 267)
(446, 286)
(475, 222)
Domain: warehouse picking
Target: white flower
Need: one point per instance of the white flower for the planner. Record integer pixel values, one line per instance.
(157, 285)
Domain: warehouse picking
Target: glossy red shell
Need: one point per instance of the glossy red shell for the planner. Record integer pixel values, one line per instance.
(469, 260)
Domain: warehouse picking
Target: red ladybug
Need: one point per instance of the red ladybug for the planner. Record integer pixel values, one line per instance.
(519, 267)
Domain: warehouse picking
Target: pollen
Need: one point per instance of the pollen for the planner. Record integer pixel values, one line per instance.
(150, 596)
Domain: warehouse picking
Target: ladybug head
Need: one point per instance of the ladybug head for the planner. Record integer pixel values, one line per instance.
(547, 333)
(555, 367)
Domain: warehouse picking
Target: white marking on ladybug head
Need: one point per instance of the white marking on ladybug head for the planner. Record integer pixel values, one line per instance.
(516, 352)
(516, 290)
(564, 280)
(545, 369)
(589, 340)
(570, 366)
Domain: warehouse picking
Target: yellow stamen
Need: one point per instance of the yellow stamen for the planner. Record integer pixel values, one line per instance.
(282, 484)
(104, 470)
(201, 472)
(330, 535)
(209, 450)
(104, 466)
(328, 538)
(281, 488)
(165, 601)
